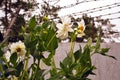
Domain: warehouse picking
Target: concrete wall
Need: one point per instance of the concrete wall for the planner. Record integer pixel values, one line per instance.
(107, 68)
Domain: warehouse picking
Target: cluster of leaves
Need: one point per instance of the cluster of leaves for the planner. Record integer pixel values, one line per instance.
(81, 67)
(41, 39)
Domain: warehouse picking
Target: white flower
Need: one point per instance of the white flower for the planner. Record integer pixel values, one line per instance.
(18, 48)
(74, 72)
(7, 55)
(80, 29)
(64, 28)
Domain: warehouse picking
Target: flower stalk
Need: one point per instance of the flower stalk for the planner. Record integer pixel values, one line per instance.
(53, 61)
(72, 44)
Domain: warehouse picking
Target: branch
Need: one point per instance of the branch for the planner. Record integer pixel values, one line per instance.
(6, 35)
(6, 12)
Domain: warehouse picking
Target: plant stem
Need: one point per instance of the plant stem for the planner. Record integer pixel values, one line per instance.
(72, 44)
(71, 55)
(36, 69)
(51, 40)
(53, 61)
(25, 68)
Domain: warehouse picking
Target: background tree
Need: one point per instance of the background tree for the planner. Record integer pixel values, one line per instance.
(14, 15)
(91, 30)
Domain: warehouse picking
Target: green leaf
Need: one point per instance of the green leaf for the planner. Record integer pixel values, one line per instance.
(25, 75)
(73, 66)
(19, 68)
(45, 24)
(51, 42)
(34, 66)
(88, 72)
(41, 46)
(53, 72)
(63, 67)
(10, 71)
(86, 58)
(89, 41)
(103, 52)
(39, 75)
(84, 62)
(1, 69)
(1, 52)
(32, 23)
(38, 29)
(38, 55)
(48, 40)
(13, 59)
(36, 73)
(48, 60)
(97, 46)
(67, 61)
(55, 76)
(23, 28)
(78, 54)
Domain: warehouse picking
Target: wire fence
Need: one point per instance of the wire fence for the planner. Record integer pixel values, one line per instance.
(77, 3)
(97, 9)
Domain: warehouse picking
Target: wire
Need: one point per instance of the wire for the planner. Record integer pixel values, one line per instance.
(114, 18)
(77, 3)
(101, 8)
(108, 14)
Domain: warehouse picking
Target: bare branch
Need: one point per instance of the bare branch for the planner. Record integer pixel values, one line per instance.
(6, 35)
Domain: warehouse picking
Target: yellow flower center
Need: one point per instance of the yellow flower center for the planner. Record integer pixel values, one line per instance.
(66, 27)
(80, 29)
(18, 49)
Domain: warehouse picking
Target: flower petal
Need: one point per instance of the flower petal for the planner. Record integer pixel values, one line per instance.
(70, 30)
(66, 20)
(59, 26)
(81, 34)
(62, 35)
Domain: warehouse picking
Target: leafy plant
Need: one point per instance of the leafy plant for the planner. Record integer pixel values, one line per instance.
(44, 38)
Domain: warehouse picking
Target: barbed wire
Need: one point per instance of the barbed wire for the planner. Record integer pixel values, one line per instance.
(113, 18)
(101, 8)
(56, 2)
(108, 14)
(53, 0)
(96, 9)
(77, 3)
